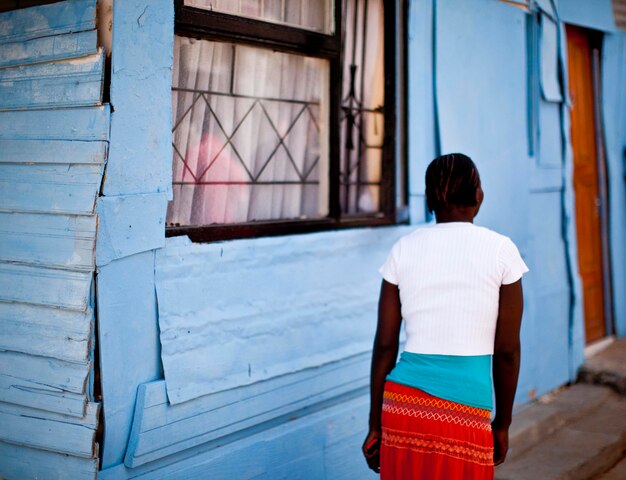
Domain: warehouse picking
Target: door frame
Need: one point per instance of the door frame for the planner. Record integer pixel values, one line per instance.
(595, 39)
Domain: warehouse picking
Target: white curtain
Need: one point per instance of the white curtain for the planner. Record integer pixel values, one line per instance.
(362, 154)
(250, 134)
(309, 14)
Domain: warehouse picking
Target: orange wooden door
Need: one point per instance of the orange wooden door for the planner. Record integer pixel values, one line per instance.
(586, 180)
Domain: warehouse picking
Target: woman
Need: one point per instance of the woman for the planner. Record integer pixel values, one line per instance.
(458, 289)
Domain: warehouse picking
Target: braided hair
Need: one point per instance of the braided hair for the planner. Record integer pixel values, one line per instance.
(451, 181)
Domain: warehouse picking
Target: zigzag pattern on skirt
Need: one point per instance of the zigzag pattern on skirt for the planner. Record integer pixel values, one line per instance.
(424, 443)
(439, 414)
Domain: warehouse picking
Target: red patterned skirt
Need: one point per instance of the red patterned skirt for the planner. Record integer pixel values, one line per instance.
(426, 437)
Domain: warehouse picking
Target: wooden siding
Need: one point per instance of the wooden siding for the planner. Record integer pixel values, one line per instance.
(17, 459)
(75, 82)
(161, 429)
(71, 45)
(204, 321)
(54, 132)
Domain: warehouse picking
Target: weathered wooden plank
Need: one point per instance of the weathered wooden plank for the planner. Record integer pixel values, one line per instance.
(18, 391)
(129, 344)
(68, 83)
(59, 124)
(52, 151)
(44, 372)
(44, 286)
(130, 224)
(161, 429)
(48, 240)
(266, 452)
(23, 462)
(141, 146)
(318, 283)
(88, 420)
(46, 332)
(53, 188)
(16, 335)
(73, 322)
(47, 20)
(39, 429)
(47, 49)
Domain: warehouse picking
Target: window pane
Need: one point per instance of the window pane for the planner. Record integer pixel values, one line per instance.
(250, 134)
(314, 15)
(362, 119)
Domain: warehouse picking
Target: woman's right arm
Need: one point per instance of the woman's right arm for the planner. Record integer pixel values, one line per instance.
(384, 356)
(506, 362)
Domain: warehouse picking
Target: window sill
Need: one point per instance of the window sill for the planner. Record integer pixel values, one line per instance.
(216, 233)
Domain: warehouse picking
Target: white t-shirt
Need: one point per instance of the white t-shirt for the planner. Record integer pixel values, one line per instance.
(449, 276)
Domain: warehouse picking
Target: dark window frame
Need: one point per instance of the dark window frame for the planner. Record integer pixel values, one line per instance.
(216, 26)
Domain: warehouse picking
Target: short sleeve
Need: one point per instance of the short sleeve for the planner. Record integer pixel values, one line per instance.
(510, 262)
(389, 270)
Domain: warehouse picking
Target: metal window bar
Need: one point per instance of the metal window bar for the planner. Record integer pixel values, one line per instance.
(258, 101)
(353, 113)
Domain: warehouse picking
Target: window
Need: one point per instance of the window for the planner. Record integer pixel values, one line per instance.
(285, 117)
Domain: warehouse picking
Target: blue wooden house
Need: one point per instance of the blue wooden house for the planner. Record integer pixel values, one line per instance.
(195, 197)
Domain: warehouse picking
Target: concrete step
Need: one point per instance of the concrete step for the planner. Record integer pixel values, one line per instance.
(607, 368)
(585, 436)
(550, 413)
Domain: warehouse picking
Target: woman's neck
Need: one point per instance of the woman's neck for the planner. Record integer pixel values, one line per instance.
(456, 215)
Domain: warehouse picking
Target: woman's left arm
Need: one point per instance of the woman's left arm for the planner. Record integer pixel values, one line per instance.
(506, 363)
(384, 356)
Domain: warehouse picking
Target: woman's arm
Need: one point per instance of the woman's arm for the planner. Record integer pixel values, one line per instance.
(384, 358)
(506, 361)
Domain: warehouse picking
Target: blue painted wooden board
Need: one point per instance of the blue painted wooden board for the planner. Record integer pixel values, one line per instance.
(28, 370)
(47, 20)
(325, 282)
(597, 14)
(323, 438)
(575, 323)
(50, 431)
(161, 429)
(129, 224)
(549, 66)
(45, 332)
(38, 395)
(52, 188)
(66, 241)
(129, 344)
(70, 321)
(47, 49)
(140, 160)
(23, 462)
(342, 454)
(67, 83)
(52, 151)
(613, 108)
(44, 286)
(59, 124)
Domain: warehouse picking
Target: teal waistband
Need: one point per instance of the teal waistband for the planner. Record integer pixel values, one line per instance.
(460, 379)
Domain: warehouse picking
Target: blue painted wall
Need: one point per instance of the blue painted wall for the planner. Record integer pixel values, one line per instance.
(184, 330)
(210, 313)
